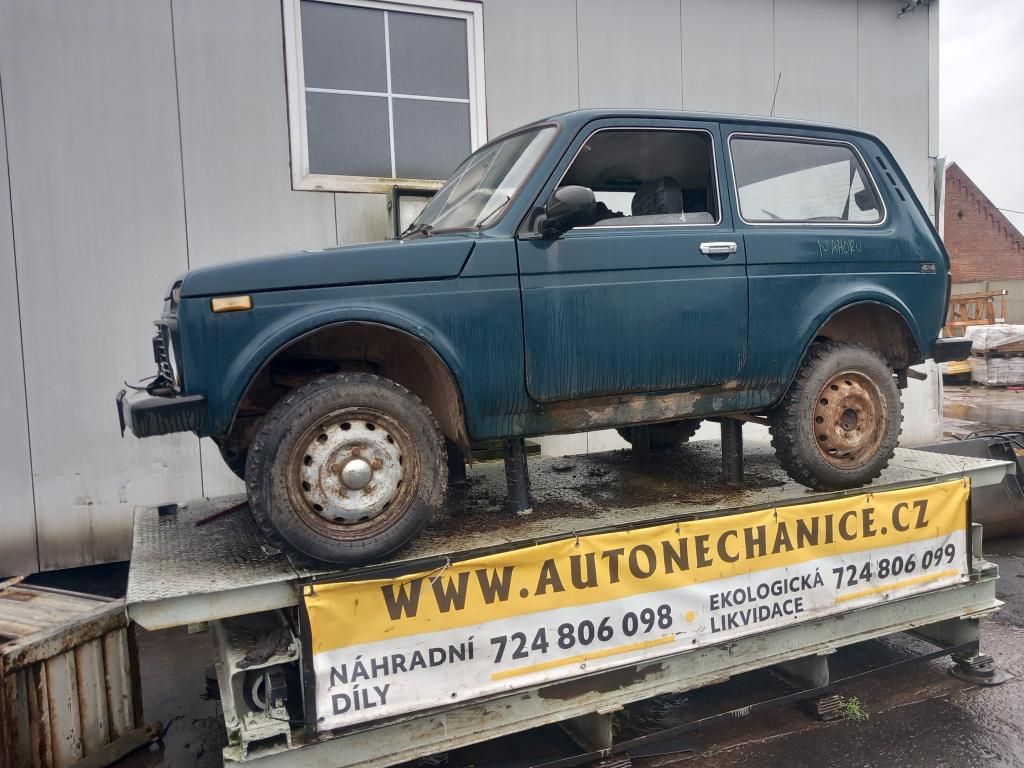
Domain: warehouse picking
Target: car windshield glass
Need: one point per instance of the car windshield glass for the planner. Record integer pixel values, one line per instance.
(480, 188)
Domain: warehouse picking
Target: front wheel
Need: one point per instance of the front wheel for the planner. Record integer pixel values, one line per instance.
(346, 469)
(838, 425)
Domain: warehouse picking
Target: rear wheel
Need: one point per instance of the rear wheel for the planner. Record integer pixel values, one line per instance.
(347, 468)
(666, 435)
(839, 424)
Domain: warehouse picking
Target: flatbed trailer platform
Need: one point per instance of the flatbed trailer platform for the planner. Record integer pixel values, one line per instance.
(205, 561)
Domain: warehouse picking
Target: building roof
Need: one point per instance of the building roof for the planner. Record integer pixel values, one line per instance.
(983, 244)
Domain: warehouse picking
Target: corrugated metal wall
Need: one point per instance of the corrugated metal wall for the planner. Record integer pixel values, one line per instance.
(147, 136)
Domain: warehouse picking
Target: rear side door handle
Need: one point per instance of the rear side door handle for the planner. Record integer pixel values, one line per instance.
(718, 248)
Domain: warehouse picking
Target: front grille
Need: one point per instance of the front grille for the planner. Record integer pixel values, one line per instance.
(162, 352)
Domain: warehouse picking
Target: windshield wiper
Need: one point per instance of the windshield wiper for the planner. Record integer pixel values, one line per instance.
(495, 212)
(418, 229)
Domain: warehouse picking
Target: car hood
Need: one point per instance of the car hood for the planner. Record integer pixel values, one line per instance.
(386, 262)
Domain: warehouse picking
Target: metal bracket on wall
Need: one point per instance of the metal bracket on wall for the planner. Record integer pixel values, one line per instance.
(409, 196)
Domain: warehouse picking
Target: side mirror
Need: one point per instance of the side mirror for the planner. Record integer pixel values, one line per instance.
(568, 207)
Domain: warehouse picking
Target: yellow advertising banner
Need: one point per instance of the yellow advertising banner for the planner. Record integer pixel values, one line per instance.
(584, 603)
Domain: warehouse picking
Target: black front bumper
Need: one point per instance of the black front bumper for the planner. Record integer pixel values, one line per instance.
(148, 415)
(947, 350)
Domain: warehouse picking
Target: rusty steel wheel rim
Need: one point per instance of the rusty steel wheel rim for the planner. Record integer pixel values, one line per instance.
(352, 474)
(849, 420)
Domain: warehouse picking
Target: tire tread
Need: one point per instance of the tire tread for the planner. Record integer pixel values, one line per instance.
(256, 479)
(785, 422)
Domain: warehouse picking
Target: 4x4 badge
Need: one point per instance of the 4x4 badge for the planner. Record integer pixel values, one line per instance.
(928, 266)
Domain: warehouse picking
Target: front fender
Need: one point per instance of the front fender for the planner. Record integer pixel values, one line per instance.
(248, 341)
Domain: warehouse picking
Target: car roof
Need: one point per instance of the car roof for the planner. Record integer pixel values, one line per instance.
(579, 117)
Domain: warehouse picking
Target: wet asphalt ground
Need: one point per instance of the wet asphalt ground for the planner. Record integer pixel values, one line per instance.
(916, 716)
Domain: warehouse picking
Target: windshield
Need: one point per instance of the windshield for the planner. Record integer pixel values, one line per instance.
(482, 186)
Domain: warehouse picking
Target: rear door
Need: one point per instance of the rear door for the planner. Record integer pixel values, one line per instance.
(638, 303)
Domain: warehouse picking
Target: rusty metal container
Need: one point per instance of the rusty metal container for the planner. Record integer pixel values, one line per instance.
(68, 676)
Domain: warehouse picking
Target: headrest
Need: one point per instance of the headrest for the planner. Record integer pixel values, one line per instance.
(658, 196)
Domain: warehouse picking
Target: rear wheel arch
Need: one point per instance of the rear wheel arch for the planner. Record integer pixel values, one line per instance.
(353, 346)
(877, 326)
(871, 323)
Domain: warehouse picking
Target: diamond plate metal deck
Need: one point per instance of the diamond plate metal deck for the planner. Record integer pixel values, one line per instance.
(183, 573)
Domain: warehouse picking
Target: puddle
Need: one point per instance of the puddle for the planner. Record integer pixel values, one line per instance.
(577, 486)
(986, 415)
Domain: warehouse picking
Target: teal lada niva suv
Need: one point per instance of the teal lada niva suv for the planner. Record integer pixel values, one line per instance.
(601, 268)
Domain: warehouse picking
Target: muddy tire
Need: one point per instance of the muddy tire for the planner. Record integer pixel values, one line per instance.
(838, 425)
(346, 469)
(666, 436)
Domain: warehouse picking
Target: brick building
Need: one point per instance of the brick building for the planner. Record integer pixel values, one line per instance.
(983, 244)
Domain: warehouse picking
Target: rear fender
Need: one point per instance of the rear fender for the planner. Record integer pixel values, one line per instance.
(887, 301)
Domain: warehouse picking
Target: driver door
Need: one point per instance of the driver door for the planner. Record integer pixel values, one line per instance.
(655, 304)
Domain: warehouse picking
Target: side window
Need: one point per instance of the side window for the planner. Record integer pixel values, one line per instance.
(648, 177)
(779, 180)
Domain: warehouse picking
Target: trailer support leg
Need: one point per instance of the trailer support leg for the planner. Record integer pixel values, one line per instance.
(812, 672)
(808, 672)
(732, 451)
(970, 665)
(517, 478)
(592, 732)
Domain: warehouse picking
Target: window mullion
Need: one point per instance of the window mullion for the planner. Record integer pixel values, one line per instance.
(391, 110)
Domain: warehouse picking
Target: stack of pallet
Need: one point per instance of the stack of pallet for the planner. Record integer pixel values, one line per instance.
(997, 355)
(967, 310)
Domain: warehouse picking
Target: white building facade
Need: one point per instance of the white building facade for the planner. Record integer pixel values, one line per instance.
(142, 138)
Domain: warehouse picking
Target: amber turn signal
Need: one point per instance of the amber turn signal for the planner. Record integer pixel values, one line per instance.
(231, 303)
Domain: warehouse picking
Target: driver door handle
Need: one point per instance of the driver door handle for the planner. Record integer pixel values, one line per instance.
(718, 248)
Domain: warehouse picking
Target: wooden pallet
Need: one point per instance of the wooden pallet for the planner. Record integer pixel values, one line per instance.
(1007, 350)
(967, 309)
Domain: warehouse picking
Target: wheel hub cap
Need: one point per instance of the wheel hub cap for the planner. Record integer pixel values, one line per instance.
(350, 471)
(356, 474)
(849, 419)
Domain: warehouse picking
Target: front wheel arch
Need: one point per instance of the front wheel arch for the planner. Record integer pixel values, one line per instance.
(362, 347)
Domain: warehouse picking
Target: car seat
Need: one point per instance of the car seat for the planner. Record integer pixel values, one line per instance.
(658, 196)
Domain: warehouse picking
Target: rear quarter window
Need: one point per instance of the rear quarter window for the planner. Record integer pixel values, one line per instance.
(781, 180)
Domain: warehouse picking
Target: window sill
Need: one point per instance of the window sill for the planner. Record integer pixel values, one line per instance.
(315, 182)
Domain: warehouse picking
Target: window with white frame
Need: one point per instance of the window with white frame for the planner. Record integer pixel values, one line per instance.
(382, 93)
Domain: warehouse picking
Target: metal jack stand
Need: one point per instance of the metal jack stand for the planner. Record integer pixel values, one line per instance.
(640, 439)
(517, 478)
(456, 465)
(732, 451)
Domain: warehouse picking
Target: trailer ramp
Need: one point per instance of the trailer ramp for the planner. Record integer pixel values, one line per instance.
(347, 676)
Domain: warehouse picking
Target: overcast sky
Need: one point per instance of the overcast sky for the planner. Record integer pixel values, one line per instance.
(981, 104)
